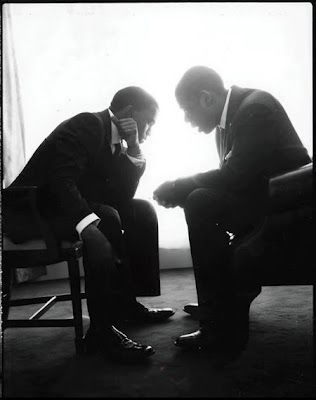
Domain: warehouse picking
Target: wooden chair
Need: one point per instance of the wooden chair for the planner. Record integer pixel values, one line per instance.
(280, 251)
(35, 253)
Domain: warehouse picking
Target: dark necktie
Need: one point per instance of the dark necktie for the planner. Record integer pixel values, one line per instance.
(117, 149)
(221, 130)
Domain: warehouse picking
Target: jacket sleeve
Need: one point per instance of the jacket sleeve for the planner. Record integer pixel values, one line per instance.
(129, 176)
(253, 144)
(75, 147)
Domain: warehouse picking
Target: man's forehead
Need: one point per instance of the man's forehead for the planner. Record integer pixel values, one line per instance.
(152, 111)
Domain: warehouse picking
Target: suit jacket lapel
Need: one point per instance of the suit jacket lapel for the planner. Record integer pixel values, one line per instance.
(224, 140)
(104, 159)
(104, 116)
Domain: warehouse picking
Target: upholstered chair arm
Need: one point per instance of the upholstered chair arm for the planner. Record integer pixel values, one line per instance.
(291, 190)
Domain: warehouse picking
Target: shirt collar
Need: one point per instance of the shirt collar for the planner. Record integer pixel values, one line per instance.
(115, 137)
(222, 123)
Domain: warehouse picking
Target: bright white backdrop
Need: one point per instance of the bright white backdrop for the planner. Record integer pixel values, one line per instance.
(74, 57)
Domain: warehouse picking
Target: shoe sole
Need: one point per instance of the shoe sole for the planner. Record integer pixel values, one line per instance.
(194, 314)
(93, 350)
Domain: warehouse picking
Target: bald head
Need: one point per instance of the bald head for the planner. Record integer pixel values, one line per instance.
(195, 80)
(201, 94)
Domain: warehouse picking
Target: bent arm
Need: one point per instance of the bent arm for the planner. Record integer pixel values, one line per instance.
(253, 145)
(74, 150)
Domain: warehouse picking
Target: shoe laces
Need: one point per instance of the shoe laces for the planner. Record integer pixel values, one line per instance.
(128, 343)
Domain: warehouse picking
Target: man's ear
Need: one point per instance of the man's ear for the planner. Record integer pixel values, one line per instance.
(206, 99)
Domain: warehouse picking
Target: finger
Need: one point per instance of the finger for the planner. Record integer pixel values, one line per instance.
(128, 127)
(127, 120)
(119, 121)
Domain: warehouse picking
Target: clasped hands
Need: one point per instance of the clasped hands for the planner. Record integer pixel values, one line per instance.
(165, 195)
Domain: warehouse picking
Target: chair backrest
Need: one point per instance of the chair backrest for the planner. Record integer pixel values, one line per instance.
(22, 221)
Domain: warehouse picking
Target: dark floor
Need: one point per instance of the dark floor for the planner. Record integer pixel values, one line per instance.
(41, 362)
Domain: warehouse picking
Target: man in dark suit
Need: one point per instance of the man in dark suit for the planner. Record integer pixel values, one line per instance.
(86, 182)
(255, 140)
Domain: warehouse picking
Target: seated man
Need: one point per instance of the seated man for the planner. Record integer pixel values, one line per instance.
(255, 140)
(86, 182)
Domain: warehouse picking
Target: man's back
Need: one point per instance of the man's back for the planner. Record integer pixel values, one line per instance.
(75, 165)
(259, 140)
(80, 128)
(287, 150)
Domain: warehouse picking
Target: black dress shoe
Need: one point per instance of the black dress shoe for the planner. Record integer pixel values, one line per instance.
(241, 313)
(115, 345)
(192, 309)
(194, 340)
(140, 313)
(213, 340)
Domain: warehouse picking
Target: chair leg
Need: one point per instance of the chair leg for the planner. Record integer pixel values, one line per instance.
(314, 325)
(6, 291)
(74, 277)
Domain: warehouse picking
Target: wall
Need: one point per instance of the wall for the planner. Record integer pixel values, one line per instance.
(73, 57)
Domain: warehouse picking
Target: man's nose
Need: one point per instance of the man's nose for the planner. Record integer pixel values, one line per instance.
(188, 118)
(148, 130)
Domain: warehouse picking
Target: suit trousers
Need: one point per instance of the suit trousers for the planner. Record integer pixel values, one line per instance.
(213, 218)
(132, 229)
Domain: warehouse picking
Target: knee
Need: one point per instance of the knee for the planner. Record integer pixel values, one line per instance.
(194, 204)
(145, 212)
(200, 206)
(110, 220)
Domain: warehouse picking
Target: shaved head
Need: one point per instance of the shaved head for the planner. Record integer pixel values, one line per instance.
(201, 95)
(195, 80)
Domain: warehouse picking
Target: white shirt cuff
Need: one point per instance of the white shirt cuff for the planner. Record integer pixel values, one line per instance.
(139, 162)
(87, 221)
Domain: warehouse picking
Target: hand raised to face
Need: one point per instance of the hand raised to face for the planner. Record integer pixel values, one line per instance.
(127, 126)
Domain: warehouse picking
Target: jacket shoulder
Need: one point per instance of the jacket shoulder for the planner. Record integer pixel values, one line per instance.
(82, 124)
(259, 100)
(84, 128)
(85, 119)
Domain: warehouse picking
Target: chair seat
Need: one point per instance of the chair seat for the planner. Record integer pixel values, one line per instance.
(35, 252)
(37, 244)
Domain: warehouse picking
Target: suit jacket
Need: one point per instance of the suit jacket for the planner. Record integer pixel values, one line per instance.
(74, 166)
(259, 141)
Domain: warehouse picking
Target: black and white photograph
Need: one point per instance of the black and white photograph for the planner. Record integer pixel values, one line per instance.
(156, 200)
